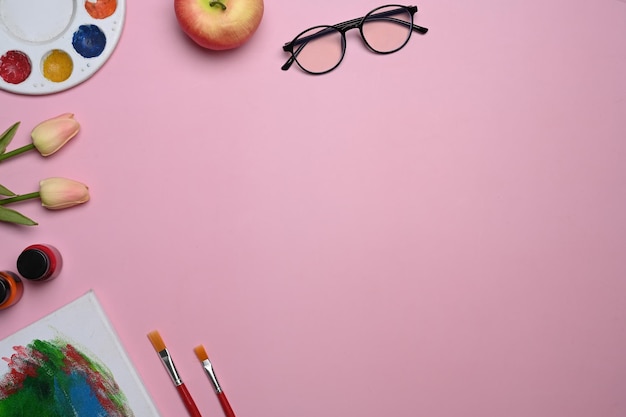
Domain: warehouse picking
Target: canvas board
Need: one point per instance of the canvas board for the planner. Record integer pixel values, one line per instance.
(71, 363)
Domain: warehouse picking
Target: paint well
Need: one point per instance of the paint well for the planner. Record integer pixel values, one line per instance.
(15, 67)
(57, 66)
(35, 20)
(100, 9)
(89, 41)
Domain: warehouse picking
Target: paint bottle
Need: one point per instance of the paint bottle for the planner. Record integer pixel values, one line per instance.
(39, 263)
(11, 289)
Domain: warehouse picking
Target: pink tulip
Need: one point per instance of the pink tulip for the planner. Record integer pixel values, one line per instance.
(59, 193)
(50, 135)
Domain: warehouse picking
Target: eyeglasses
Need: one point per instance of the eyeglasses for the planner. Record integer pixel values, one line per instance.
(384, 30)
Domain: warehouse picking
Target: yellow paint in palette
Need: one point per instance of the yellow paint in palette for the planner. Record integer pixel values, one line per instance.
(57, 66)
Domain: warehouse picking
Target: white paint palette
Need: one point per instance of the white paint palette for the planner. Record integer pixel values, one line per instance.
(47, 46)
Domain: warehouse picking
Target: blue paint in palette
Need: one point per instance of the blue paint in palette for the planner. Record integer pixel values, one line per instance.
(89, 41)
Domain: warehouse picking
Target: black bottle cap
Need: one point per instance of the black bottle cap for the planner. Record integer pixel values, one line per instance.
(4, 291)
(33, 264)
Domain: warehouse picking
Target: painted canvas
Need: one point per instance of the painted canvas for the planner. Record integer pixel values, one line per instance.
(70, 364)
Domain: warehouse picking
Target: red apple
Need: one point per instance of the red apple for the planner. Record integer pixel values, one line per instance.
(219, 24)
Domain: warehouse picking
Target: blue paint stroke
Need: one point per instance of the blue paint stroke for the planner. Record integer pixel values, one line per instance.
(79, 397)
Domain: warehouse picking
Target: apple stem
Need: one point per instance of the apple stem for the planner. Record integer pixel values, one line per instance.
(217, 3)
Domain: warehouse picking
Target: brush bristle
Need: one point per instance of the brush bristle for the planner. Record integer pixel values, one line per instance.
(156, 340)
(201, 353)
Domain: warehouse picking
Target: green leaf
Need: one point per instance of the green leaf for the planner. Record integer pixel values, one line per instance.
(12, 216)
(5, 191)
(7, 137)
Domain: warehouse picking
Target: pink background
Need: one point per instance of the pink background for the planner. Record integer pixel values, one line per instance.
(437, 232)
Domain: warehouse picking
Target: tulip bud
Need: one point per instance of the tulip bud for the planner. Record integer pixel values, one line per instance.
(50, 135)
(59, 193)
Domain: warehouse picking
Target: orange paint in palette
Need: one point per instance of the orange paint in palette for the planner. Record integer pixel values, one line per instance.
(101, 9)
(48, 46)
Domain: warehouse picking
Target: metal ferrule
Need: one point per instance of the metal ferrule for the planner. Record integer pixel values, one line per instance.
(169, 365)
(211, 373)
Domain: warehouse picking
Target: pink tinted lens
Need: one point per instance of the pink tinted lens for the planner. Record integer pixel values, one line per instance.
(387, 29)
(319, 49)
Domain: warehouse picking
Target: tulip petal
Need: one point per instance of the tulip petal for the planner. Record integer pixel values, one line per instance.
(64, 116)
(50, 135)
(58, 193)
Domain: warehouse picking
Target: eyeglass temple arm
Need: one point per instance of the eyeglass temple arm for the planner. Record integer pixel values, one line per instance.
(342, 26)
(291, 59)
(419, 29)
(288, 64)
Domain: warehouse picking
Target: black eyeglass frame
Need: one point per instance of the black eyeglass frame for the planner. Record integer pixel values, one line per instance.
(342, 28)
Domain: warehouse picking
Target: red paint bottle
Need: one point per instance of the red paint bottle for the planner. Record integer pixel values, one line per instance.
(11, 289)
(39, 262)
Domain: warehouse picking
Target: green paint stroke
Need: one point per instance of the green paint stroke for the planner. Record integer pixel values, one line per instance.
(55, 379)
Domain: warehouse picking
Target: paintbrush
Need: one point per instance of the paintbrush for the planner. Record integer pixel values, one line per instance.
(208, 367)
(166, 358)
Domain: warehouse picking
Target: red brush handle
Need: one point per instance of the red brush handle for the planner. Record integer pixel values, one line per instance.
(188, 401)
(228, 411)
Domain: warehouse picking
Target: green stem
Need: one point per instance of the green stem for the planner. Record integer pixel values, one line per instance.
(217, 3)
(17, 198)
(17, 151)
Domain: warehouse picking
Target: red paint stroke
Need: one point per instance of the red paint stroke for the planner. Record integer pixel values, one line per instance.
(22, 364)
(76, 362)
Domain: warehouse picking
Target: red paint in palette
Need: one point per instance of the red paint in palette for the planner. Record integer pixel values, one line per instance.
(15, 67)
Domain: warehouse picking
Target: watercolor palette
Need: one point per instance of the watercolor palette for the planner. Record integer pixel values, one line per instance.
(47, 46)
